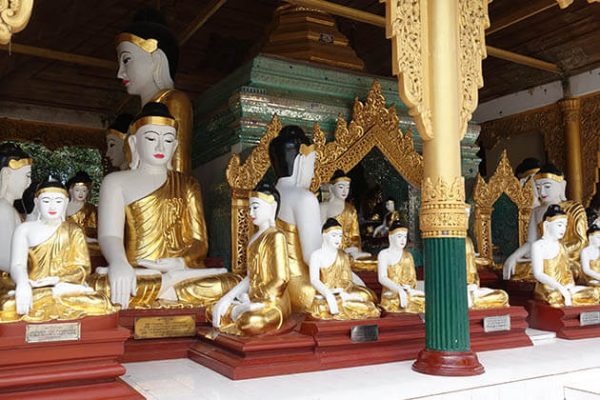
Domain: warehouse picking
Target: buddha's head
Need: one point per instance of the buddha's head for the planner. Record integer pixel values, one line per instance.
(79, 186)
(15, 171)
(551, 185)
(292, 155)
(115, 140)
(340, 185)
(554, 222)
(51, 199)
(332, 233)
(390, 205)
(264, 205)
(152, 137)
(398, 235)
(147, 53)
(528, 167)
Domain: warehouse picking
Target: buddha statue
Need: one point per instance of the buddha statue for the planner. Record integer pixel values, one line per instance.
(397, 275)
(148, 55)
(344, 212)
(79, 210)
(590, 257)
(260, 303)
(151, 225)
(551, 185)
(525, 173)
(50, 264)
(390, 216)
(116, 135)
(550, 264)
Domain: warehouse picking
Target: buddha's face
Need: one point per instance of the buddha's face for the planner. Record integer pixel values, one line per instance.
(398, 239)
(79, 192)
(17, 180)
(390, 206)
(550, 191)
(52, 205)
(594, 239)
(333, 237)
(262, 212)
(154, 144)
(556, 228)
(114, 150)
(135, 67)
(340, 190)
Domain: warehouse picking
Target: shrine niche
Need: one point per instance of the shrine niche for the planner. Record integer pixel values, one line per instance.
(485, 194)
(373, 125)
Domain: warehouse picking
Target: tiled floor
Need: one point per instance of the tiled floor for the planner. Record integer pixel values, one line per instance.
(556, 370)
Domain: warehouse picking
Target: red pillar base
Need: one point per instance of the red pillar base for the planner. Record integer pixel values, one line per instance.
(446, 363)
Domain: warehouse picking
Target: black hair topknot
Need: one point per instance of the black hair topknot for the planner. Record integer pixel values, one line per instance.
(527, 164)
(79, 177)
(285, 147)
(11, 151)
(552, 211)
(122, 122)
(331, 222)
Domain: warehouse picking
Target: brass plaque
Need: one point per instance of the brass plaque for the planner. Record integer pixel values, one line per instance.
(497, 323)
(589, 318)
(364, 333)
(41, 333)
(161, 327)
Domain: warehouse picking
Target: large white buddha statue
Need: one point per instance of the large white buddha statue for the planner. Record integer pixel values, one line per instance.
(551, 187)
(49, 265)
(260, 303)
(15, 177)
(148, 55)
(151, 225)
(116, 136)
(590, 257)
(525, 173)
(550, 263)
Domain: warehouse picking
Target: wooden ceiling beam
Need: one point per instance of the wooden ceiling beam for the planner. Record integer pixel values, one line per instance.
(523, 60)
(527, 10)
(200, 20)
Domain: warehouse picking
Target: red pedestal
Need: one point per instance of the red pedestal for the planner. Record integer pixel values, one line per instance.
(87, 368)
(564, 321)
(162, 348)
(444, 363)
(371, 281)
(515, 337)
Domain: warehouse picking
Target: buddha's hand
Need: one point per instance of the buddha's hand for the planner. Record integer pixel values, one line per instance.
(91, 240)
(332, 303)
(63, 288)
(164, 264)
(23, 298)
(219, 309)
(508, 269)
(244, 308)
(350, 297)
(123, 284)
(403, 297)
(47, 281)
(566, 294)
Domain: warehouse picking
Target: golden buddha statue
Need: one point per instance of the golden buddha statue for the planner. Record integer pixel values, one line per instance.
(161, 213)
(50, 264)
(338, 297)
(550, 263)
(260, 303)
(148, 55)
(590, 257)
(397, 275)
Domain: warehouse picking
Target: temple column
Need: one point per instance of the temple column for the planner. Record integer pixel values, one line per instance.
(571, 109)
(437, 47)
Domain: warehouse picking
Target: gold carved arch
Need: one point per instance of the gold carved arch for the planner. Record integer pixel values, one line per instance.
(372, 125)
(485, 195)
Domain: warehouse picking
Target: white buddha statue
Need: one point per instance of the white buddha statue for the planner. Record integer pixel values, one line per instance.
(345, 213)
(590, 257)
(260, 303)
(151, 225)
(116, 136)
(550, 263)
(390, 216)
(525, 172)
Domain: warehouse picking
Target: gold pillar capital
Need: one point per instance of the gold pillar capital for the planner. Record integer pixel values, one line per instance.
(571, 109)
(443, 211)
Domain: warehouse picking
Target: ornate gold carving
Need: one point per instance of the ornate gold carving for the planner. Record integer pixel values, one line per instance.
(486, 194)
(14, 17)
(443, 208)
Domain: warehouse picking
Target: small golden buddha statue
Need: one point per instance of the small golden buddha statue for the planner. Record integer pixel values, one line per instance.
(397, 275)
(550, 263)
(80, 211)
(117, 153)
(338, 296)
(590, 257)
(50, 264)
(260, 303)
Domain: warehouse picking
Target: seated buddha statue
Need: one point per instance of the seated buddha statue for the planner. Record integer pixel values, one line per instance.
(148, 54)
(525, 173)
(260, 303)
(49, 265)
(397, 275)
(151, 225)
(15, 177)
(390, 216)
(116, 136)
(338, 296)
(344, 212)
(590, 257)
(79, 210)
(551, 185)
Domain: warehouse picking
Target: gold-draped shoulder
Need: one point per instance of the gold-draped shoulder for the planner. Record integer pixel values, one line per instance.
(493, 298)
(87, 219)
(402, 273)
(348, 218)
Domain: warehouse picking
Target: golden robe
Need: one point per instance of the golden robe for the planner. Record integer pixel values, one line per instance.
(267, 265)
(87, 219)
(6, 283)
(496, 298)
(64, 255)
(348, 218)
(558, 269)
(339, 275)
(402, 273)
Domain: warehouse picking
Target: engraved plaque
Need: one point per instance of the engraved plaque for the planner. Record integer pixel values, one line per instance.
(589, 318)
(496, 324)
(364, 333)
(161, 327)
(40, 333)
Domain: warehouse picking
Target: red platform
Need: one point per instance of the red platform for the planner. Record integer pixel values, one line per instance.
(564, 321)
(161, 348)
(515, 337)
(87, 368)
